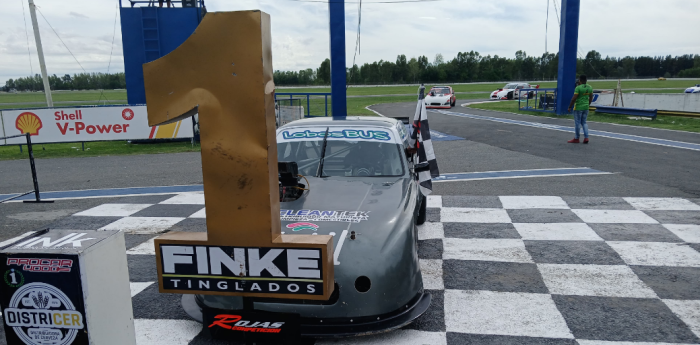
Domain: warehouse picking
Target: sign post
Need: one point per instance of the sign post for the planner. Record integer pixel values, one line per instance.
(65, 287)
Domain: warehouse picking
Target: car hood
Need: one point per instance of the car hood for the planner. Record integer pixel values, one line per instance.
(381, 213)
(366, 205)
(438, 97)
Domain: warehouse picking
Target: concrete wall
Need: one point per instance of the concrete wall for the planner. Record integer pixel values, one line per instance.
(662, 101)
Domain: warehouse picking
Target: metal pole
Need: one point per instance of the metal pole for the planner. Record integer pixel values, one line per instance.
(568, 47)
(336, 11)
(34, 178)
(40, 52)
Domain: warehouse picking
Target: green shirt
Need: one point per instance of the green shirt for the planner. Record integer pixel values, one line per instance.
(584, 92)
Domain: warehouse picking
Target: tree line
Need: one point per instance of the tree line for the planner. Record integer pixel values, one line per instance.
(465, 67)
(473, 67)
(79, 81)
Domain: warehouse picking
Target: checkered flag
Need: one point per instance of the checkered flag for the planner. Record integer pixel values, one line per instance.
(426, 166)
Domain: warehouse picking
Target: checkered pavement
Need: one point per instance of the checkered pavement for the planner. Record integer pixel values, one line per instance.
(501, 270)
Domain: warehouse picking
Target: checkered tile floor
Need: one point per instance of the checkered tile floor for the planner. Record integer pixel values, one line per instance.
(501, 270)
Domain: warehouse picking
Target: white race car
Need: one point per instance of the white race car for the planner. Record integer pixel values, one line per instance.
(440, 97)
(510, 91)
(693, 89)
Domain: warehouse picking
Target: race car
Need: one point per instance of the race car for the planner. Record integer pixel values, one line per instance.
(511, 91)
(359, 186)
(440, 97)
(693, 89)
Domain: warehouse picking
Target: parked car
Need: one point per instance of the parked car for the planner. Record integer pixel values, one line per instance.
(511, 91)
(693, 89)
(361, 188)
(440, 97)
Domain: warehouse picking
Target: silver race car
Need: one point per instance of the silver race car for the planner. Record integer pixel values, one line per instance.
(359, 185)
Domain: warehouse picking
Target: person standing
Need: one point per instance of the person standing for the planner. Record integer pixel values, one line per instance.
(583, 96)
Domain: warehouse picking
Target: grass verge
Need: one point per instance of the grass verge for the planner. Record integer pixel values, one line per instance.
(665, 122)
(92, 149)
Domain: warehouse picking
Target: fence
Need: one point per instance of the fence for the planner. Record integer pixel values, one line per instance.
(317, 103)
(544, 100)
(37, 197)
(288, 110)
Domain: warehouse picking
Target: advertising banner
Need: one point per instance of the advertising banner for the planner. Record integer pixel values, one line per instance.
(88, 124)
(44, 289)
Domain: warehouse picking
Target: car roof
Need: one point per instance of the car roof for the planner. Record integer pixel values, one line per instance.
(375, 121)
(440, 86)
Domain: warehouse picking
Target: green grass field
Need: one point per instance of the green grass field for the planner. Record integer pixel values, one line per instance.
(665, 122)
(120, 95)
(92, 149)
(356, 106)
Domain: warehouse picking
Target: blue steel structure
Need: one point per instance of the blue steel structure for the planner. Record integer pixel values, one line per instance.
(538, 100)
(568, 47)
(336, 11)
(150, 32)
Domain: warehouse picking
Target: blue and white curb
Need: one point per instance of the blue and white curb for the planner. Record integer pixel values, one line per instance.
(508, 174)
(110, 192)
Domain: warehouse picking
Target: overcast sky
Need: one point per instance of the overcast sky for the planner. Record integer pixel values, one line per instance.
(300, 30)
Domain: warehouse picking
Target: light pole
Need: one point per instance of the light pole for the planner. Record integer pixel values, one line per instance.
(40, 52)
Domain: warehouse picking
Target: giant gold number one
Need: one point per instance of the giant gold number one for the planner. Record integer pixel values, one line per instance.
(223, 72)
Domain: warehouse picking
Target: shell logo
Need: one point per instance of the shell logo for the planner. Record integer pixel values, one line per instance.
(28, 123)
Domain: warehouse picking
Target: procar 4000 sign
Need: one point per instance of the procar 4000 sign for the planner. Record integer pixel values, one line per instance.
(241, 270)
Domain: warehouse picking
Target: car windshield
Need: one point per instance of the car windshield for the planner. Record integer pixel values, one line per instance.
(440, 90)
(344, 158)
(510, 86)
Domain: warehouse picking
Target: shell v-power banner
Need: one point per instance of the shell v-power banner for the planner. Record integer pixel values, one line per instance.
(88, 124)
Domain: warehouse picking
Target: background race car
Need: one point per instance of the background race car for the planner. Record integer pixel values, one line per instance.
(440, 97)
(511, 91)
(693, 89)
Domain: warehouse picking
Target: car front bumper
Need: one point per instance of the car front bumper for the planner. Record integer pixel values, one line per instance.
(340, 327)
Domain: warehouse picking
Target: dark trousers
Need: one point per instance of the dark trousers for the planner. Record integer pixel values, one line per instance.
(160, 3)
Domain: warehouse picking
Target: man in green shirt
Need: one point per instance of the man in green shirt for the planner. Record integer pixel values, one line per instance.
(583, 96)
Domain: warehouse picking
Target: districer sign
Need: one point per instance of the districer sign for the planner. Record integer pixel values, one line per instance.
(88, 124)
(43, 289)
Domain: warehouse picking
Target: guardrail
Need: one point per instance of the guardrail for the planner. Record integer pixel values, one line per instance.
(628, 111)
(34, 178)
(658, 112)
(544, 100)
(309, 96)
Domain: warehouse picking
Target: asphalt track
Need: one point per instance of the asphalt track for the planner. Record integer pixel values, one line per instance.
(639, 169)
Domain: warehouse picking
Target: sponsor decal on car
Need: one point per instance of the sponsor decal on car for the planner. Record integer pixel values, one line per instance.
(252, 325)
(234, 323)
(341, 134)
(40, 314)
(242, 269)
(302, 226)
(323, 216)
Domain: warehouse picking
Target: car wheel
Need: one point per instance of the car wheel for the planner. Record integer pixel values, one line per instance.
(422, 212)
(510, 95)
(454, 102)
